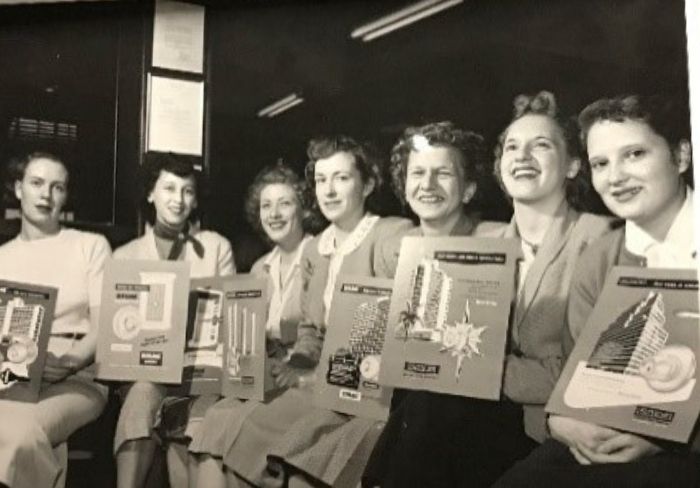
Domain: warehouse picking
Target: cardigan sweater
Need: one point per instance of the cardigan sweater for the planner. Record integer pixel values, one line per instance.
(314, 268)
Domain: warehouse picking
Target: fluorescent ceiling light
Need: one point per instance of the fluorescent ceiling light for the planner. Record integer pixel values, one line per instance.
(286, 107)
(402, 18)
(280, 105)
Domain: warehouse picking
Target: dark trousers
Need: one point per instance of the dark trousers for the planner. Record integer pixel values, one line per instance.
(552, 465)
(444, 441)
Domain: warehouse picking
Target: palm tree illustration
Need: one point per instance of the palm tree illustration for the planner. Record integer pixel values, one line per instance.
(407, 320)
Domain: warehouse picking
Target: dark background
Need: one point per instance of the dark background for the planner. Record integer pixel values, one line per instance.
(465, 64)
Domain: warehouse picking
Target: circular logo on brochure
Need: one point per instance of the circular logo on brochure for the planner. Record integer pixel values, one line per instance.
(127, 323)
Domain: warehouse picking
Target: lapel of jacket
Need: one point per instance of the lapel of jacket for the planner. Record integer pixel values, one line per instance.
(553, 243)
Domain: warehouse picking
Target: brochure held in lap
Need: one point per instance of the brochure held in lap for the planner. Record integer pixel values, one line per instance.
(448, 319)
(26, 315)
(351, 357)
(246, 373)
(143, 318)
(633, 367)
(204, 340)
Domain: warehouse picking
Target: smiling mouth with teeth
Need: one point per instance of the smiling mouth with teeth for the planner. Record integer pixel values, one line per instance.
(524, 172)
(625, 194)
(430, 199)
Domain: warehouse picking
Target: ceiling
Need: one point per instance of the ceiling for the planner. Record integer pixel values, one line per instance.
(465, 64)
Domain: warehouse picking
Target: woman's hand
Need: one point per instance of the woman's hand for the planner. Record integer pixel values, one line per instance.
(58, 368)
(576, 433)
(285, 376)
(623, 448)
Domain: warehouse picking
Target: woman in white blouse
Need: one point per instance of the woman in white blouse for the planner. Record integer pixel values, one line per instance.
(278, 207)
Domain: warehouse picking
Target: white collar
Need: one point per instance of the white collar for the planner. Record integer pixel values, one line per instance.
(679, 241)
(275, 253)
(326, 243)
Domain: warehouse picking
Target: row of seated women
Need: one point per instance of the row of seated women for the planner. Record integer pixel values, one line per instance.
(637, 158)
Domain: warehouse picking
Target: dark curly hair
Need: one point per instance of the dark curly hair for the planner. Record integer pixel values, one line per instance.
(367, 162)
(182, 166)
(469, 145)
(545, 103)
(280, 174)
(663, 115)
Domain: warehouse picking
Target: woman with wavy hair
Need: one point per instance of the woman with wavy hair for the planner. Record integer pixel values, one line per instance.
(444, 440)
(639, 154)
(279, 208)
(171, 196)
(345, 174)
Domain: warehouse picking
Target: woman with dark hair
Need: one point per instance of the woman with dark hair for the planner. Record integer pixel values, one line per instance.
(639, 154)
(279, 208)
(344, 174)
(169, 206)
(32, 436)
(444, 440)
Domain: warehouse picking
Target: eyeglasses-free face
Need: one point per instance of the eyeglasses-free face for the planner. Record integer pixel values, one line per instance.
(636, 172)
(340, 191)
(281, 214)
(435, 184)
(42, 192)
(534, 162)
(174, 198)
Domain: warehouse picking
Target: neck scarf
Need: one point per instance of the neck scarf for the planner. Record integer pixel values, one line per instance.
(179, 238)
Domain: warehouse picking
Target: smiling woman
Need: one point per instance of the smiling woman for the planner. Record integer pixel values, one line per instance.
(169, 204)
(639, 152)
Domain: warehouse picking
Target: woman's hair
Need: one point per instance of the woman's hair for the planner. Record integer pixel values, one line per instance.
(545, 103)
(17, 167)
(665, 117)
(181, 166)
(469, 145)
(279, 174)
(366, 159)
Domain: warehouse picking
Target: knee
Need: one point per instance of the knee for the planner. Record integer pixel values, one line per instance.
(23, 433)
(143, 397)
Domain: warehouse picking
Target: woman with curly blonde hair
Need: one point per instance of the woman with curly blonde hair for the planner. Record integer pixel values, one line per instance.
(445, 440)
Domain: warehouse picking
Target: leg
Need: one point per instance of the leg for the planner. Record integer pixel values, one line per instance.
(551, 464)
(133, 443)
(29, 432)
(181, 472)
(210, 472)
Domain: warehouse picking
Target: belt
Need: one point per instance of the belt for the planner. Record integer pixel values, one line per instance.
(69, 335)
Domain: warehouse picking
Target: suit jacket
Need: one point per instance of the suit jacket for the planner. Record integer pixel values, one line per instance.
(538, 321)
(360, 262)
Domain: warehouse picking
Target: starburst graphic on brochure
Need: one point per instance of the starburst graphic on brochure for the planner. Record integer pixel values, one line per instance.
(462, 340)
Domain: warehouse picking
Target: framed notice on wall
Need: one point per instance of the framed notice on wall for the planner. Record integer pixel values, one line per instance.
(175, 117)
(178, 36)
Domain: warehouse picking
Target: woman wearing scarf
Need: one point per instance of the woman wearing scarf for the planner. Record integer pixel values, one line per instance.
(169, 206)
